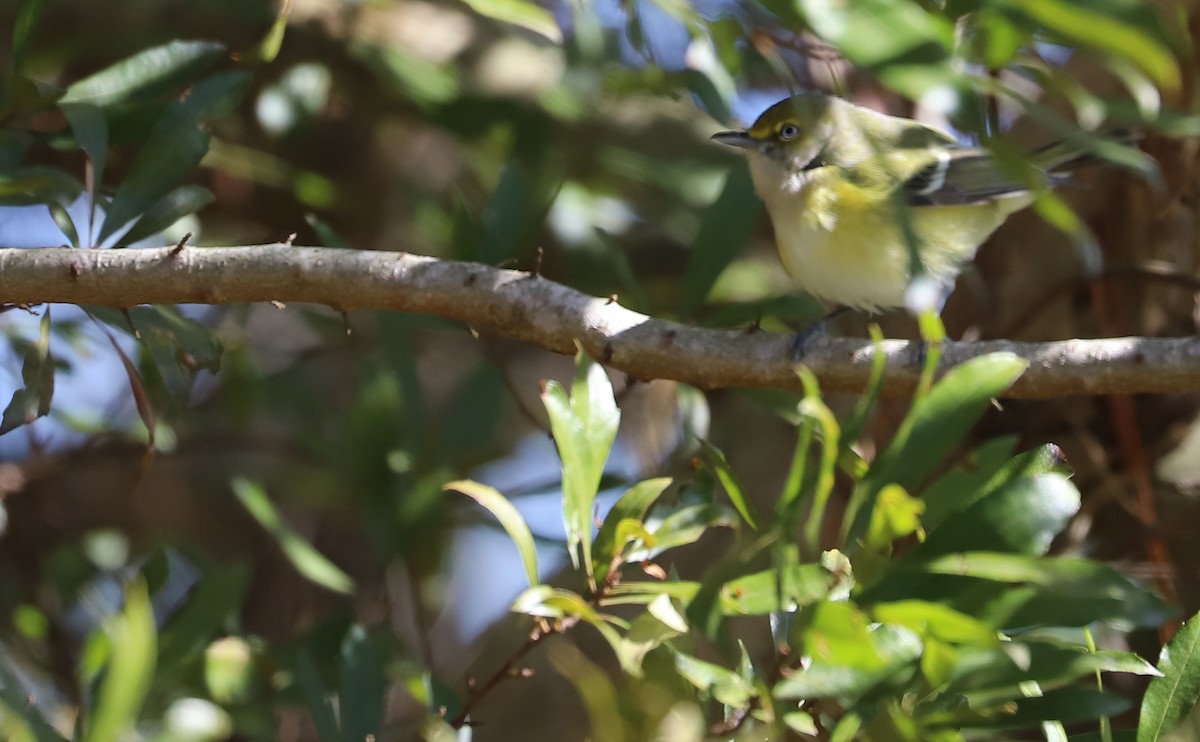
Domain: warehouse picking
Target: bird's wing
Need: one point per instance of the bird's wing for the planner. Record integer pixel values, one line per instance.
(963, 176)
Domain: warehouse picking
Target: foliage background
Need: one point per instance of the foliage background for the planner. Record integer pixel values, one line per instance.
(575, 140)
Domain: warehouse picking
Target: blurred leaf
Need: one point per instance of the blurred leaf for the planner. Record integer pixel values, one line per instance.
(230, 667)
(1082, 26)
(839, 634)
(130, 668)
(216, 597)
(934, 428)
(584, 427)
(160, 71)
(32, 400)
(896, 515)
(269, 47)
(28, 13)
(725, 226)
(309, 562)
(13, 146)
(91, 133)
(523, 13)
(181, 202)
(595, 689)
(935, 621)
(62, 220)
(509, 517)
(179, 346)
(315, 696)
(724, 685)
(29, 186)
(1066, 706)
(470, 419)
(633, 504)
(907, 46)
(176, 145)
(326, 234)
(361, 694)
(1171, 697)
(13, 703)
(716, 461)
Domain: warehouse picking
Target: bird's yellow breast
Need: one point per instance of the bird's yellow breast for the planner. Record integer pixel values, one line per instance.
(845, 242)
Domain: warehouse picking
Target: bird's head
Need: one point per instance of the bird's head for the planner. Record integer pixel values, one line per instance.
(791, 133)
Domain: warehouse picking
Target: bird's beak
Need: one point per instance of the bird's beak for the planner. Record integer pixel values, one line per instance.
(736, 139)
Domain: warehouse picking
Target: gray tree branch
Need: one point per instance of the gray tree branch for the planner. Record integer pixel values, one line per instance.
(540, 311)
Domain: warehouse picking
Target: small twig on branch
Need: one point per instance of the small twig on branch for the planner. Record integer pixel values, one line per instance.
(555, 316)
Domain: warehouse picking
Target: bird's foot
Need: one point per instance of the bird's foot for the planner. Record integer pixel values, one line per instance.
(803, 339)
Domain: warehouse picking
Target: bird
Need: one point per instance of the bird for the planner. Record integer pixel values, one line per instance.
(862, 203)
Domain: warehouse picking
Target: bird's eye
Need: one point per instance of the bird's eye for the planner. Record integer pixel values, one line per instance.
(788, 132)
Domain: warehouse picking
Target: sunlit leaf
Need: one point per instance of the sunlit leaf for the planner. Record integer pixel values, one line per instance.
(510, 518)
(523, 13)
(1171, 697)
(632, 505)
(157, 71)
(584, 424)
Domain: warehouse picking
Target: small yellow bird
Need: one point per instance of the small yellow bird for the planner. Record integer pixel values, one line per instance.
(856, 196)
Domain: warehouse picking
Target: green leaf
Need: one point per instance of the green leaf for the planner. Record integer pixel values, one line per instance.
(936, 621)
(214, 599)
(725, 226)
(934, 428)
(683, 526)
(896, 515)
(584, 427)
(32, 400)
(315, 696)
(967, 482)
(991, 677)
(1061, 591)
(179, 346)
(1172, 696)
(91, 133)
(509, 517)
(724, 685)
(632, 505)
(363, 684)
(906, 45)
(176, 145)
(1022, 517)
(1082, 26)
(1066, 705)
(792, 586)
(159, 71)
(130, 669)
(181, 202)
(523, 13)
(715, 459)
(893, 655)
(309, 562)
(28, 13)
(14, 704)
(29, 186)
(595, 688)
